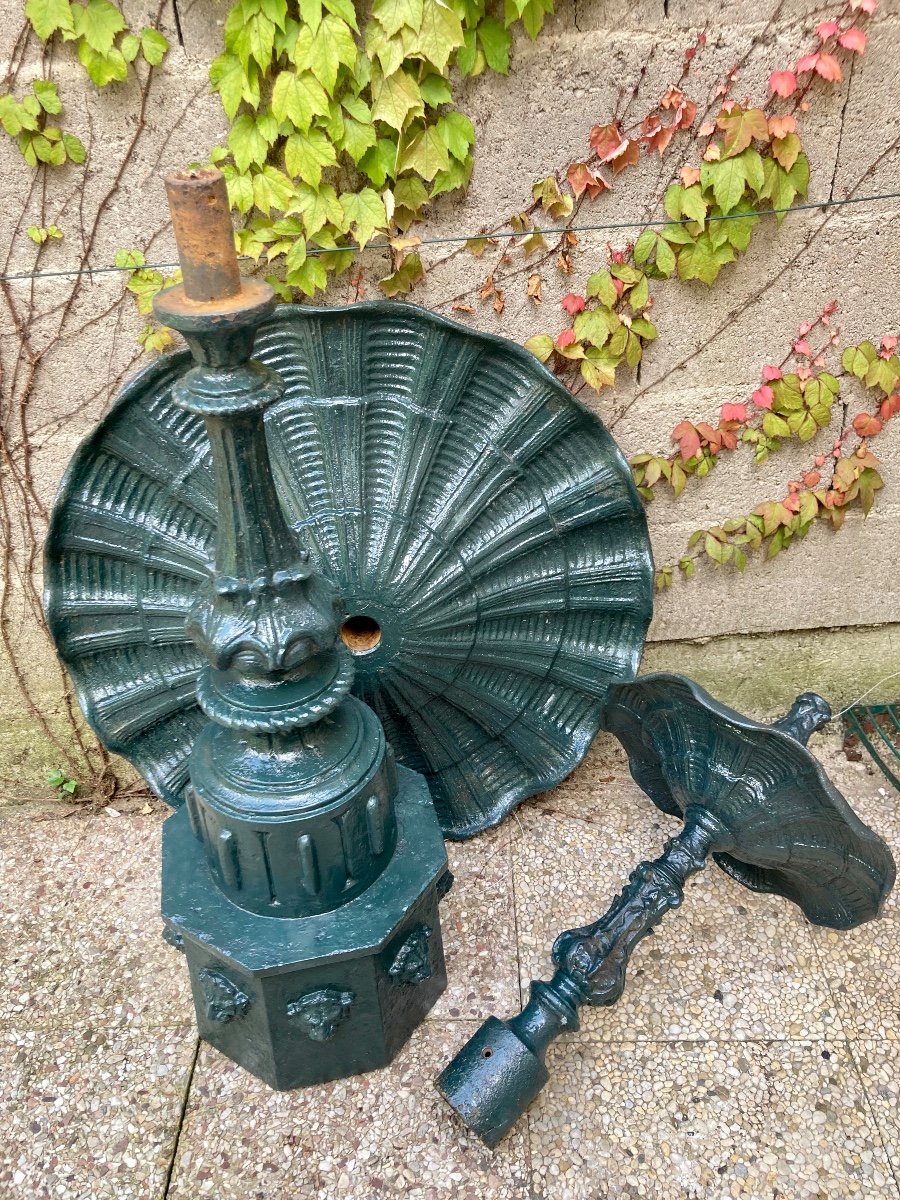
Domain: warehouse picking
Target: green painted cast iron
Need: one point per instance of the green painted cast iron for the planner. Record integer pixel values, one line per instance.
(750, 794)
(302, 876)
(480, 524)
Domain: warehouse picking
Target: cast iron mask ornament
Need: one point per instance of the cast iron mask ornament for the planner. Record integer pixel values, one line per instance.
(481, 525)
(750, 794)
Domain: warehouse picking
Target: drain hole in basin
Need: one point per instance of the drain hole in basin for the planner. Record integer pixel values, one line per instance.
(361, 634)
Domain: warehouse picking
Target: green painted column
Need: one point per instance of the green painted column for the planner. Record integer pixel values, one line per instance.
(302, 876)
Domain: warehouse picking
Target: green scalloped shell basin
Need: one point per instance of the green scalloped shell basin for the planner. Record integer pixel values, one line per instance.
(481, 524)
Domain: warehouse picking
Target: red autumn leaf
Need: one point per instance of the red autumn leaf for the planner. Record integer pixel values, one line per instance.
(770, 373)
(582, 179)
(827, 30)
(780, 127)
(733, 412)
(890, 407)
(707, 128)
(729, 441)
(689, 175)
(763, 397)
(783, 83)
(866, 425)
(566, 338)
(628, 157)
(573, 303)
(658, 142)
(866, 6)
(802, 347)
(807, 63)
(688, 440)
(828, 67)
(804, 373)
(607, 141)
(811, 478)
(820, 460)
(792, 504)
(708, 434)
(853, 39)
(803, 328)
(888, 344)
(685, 114)
(672, 98)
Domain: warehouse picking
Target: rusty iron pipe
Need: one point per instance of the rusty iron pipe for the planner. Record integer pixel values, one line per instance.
(198, 202)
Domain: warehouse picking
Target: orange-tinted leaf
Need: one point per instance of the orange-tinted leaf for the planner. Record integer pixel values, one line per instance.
(867, 425)
(573, 303)
(783, 83)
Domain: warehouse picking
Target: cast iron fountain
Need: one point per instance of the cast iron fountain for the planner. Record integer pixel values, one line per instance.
(752, 796)
(302, 876)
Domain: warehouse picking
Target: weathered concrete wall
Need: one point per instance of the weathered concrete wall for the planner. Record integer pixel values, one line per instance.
(824, 614)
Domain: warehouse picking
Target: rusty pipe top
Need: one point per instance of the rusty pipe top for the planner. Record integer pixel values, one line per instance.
(198, 202)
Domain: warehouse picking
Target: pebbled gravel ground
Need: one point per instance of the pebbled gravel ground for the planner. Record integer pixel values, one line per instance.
(752, 1055)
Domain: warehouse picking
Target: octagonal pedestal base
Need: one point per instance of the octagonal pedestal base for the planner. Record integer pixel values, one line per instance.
(298, 1001)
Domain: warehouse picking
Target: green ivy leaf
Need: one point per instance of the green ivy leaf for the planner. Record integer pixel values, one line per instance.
(378, 162)
(97, 23)
(665, 258)
(457, 175)
(541, 346)
(310, 278)
(130, 48)
(47, 95)
(318, 208)
(738, 229)
(426, 154)
(306, 154)
(435, 90)
(153, 46)
(727, 179)
(440, 33)
(247, 142)
(495, 41)
(397, 98)
(601, 285)
(404, 279)
(644, 246)
(703, 260)
(49, 16)
(228, 78)
(533, 16)
(364, 213)
(272, 189)
(298, 98)
(458, 134)
(469, 59)
(102, 69)
(594, 326)
(240, 189)
(310, 13)
(343, 9)
(392, 15)
(332, 46)
(357, 138)
(693, 204)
